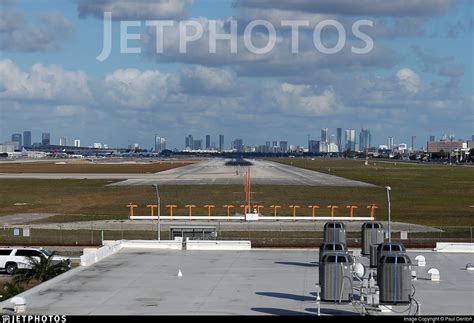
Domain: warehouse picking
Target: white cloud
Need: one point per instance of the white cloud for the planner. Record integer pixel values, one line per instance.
(42, 83)
(134, 88)
(303, 100)
(202, 80)
(356, 8)
(409, 80)
(133, 9)
(19, 35)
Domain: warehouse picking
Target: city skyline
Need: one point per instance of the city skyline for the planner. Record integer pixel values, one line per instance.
(416, 81)
(334, 142)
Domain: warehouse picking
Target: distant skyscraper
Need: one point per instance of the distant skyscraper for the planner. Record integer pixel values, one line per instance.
(27, 138)
(432, 138)
(208, 142)
(77, 142)
(189, 142)
(16, 137)
(350, 137)
(275, 143)
(364, 139)
(284, 146)
(197, 144)
(313, 146)
(267, 143)
(413, 139)
(221, 142)
(62, 141)
(390, 143)
(339, 138)
(324, 135)
(239, 145)
(45, 139)
(160, 144)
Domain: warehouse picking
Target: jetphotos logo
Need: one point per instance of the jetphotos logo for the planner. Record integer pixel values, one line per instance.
(33, 318)
(259, 37)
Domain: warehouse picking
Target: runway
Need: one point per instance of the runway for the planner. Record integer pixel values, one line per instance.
(211, 172)
(215, 172)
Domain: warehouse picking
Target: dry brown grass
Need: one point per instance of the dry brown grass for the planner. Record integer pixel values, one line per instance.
(89, 167)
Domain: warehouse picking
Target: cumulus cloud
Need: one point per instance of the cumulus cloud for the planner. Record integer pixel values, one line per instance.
(355, 8)
(200, 98)
(19, 35)
(274, 63)
(134, 9)
(134, 88)
(409, 80)
(42, 83)
(202, 80)
(302, 100)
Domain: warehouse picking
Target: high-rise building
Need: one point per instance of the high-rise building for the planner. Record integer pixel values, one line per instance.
(189, 142)
(62, 141)
(339, 139)
(324, 135)
(390, 143)
(221, 142)
(16, 137)
(197, 144)
(45, 139)
(238, 145)
(413, 139)
(160, 144)
(432, 138)
(350, 138)
(208, 142)
(27, 138)
(313, 146)
(77, 142)
(267, 143)
(364, 139)
(283, 146)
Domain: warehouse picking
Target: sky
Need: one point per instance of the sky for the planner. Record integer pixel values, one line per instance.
(416, 81)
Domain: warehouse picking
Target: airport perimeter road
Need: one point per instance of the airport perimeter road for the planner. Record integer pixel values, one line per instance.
(263, 172)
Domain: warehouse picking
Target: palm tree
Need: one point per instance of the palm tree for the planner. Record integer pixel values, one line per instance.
(41, 270)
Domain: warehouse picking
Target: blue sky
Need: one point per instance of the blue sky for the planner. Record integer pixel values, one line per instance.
(418, 80)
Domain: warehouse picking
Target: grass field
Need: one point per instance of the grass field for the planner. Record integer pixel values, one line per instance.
(422, 194)
(88, 167)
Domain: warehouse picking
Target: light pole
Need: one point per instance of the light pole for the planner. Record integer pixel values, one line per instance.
(159, 207)
(388, 188)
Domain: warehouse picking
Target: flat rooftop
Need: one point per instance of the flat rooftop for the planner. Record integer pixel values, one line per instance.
(282, 282)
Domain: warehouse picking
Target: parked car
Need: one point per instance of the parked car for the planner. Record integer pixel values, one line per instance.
(13, 258)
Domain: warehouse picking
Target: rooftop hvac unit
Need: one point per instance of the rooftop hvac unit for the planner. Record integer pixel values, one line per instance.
(335, 276)
(330, 247)
(372, 233)
(386, 247)
(335, 232)
(394, 278)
